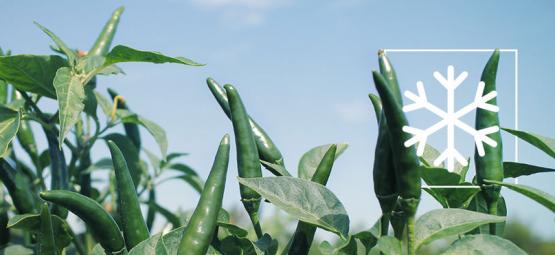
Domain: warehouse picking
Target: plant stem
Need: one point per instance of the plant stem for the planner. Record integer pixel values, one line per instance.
(492, 209)
(384, 222)
(410, 235)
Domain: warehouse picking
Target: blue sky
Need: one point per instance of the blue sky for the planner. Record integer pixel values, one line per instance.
(304, 71)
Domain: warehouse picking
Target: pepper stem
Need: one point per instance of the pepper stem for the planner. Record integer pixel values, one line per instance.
(117, 99)
(492, 209)
(384, 222)
(410, 236)
(256, 223)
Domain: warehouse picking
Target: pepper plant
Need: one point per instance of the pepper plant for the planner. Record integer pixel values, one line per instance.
(39, 188)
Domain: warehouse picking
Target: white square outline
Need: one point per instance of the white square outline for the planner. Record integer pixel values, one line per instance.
(515, 52)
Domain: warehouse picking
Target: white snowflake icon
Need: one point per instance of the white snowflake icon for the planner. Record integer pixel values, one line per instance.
(450, 118)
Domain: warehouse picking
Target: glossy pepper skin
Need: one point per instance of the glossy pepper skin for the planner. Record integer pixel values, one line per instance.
(202, 225)
(248, 163)
(267, 150)
(405, 161)
(131, 129)
(490, 166)
(46, 244)
(99, 222)
(102, 44)
(132, 222)
(17, 185)
(58, 168)
(304, 233)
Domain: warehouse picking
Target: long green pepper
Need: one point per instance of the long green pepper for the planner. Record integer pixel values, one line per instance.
(203, 223)
(490, 166)
(102, 44)
(304, 233)
(101, 224)
(47, 245)
(267, 150)
(248, 163)
(18, 187)
(128, 207)
(58, 168)
(406, 161)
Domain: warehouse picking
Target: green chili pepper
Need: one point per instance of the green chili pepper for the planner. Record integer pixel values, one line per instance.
(46, 244)
(385, 186)
(200, 230)
(248, 162)
(151, 214)
(406, 161)
(101, 224)
(104, 40)
(490, 166)
(4, 231)
(18, 187)
(27, 141)
(132, 222)
(267, 150)
(304, 234)
(58, 168)
(131, 129)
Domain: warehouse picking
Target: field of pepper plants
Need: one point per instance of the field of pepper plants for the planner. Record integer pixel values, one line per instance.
(43, 187)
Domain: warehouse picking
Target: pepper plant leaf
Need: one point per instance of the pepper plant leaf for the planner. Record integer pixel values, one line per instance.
(31, 222)
(387, 245)
(9, 124)
(121, 53)
(483, 244)
(543, 143)
(154, 129)
(305, 200)
(312, 158)
(537, 195)
(166, 244)
(70, 54)
(441, 223)
(31, 73)
(516, 169)
(70, 93)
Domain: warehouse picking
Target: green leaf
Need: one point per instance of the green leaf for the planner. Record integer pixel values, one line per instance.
(122, 53)
(431, 154)
(447, 197)
(131, 155)
(104, 103)
(31, 223)
(516, 169)
(154, 129)
(189, 176)
(9, 124)
(61, 45)
(90, 102)
(276, 169)
(31, 73)
(537, 195)
(345, 246)
(543, 143)
(163, 244)
(483, 244)
(305, 200)
(98, 250)
(267, 245)
(387, 245)
(233, 229)
(170, 217)
(70, 94)
(311, 159)
(16, 250)
(369, 238)
(479, 204)
(441, 223)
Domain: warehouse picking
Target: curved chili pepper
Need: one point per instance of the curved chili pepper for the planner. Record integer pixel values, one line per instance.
(47, 245)
(200, 230)
(18, 187)
(131, 129)
(304, 233)
(102, 44)
(248, 163)
(128, 207)
(267, 150)
(406, 161)
(490, 166)
(101, 224)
